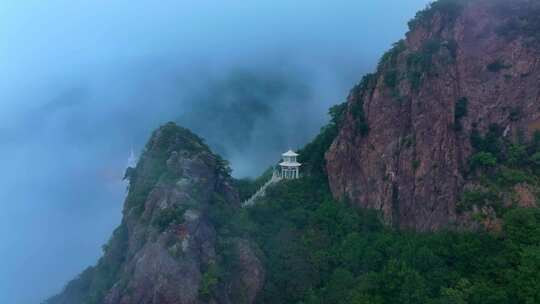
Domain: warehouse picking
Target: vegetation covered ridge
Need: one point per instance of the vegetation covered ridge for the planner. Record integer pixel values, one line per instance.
(320, 250)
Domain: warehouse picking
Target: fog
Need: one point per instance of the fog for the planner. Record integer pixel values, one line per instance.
(84, 82)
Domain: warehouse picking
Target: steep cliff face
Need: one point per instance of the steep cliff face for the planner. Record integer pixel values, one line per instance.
(167, 250)
(404, 144)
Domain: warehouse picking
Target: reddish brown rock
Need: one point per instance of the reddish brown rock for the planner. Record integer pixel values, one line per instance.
(165, 264)
(525, 196)
(167, 246)
(411, 163)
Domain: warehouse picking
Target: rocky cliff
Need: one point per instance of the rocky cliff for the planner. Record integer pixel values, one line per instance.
(167, 250)
(466, 68)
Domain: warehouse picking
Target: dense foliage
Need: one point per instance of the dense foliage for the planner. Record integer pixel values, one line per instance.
(248, 186)
(317, 250)
(312, 155)
(497, 167)
(421, 62)
(361, 91)
(449, 10)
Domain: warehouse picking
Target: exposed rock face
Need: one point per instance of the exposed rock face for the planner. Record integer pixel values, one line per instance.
(245, 286)
(482, 55)
(525, 196)
(167, 266)
(165, 249)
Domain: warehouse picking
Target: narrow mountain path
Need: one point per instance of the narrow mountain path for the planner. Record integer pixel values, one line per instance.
(262, 191)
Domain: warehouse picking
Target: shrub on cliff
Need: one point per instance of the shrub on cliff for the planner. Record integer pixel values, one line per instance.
(483, 160)
(168, 216)
(497, 66)
(460, 111)
(448, 9)
(312, 155)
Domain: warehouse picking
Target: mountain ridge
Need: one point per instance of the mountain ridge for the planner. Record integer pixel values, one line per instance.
(165, 248)
(348, 231)
(404, 147)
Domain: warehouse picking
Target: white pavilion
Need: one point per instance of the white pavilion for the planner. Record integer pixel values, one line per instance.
(290, 168)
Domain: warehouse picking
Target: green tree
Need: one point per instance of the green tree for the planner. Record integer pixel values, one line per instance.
(483, 160)
(527, 276)
(522, 226)
(517, 155)
(459, 294)
(338, 287)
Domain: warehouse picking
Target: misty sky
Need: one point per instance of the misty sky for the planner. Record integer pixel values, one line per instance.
(85, 81)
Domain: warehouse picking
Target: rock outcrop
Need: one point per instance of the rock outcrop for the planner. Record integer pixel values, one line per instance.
(404, 144)
(167, 249)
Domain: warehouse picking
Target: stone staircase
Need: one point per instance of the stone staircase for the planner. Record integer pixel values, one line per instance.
(262, 191)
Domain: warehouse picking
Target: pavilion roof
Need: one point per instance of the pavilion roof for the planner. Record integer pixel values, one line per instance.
(290, 153)
(290, 164)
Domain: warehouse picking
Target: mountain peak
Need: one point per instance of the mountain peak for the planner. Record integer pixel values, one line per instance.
(465, 67)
